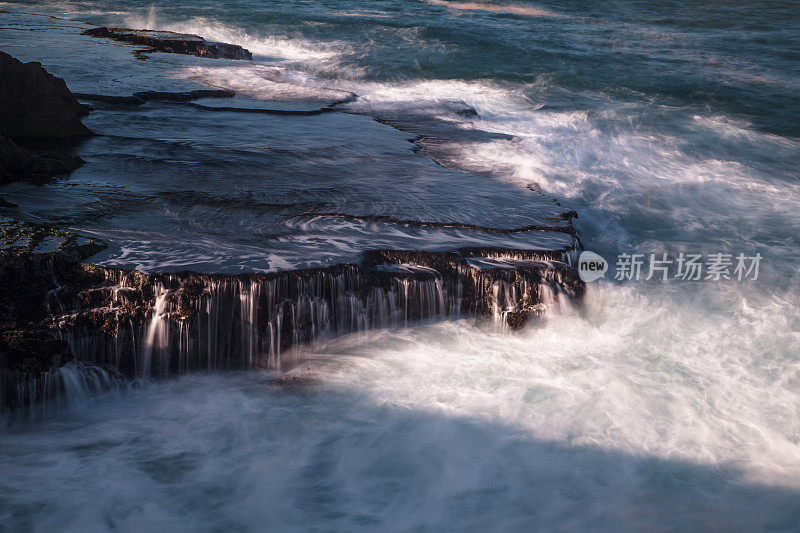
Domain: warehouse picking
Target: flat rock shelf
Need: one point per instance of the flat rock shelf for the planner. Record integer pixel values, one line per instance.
(121, 325)
(233, 230)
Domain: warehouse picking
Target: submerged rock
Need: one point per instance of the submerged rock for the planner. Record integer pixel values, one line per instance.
(17, 236)
(173, 43)
(18, 162)
(141, 97)
(34, 103)
(301, 379)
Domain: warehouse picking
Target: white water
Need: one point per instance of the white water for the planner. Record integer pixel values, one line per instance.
(610, 423)
(156, 336)
(270, 47)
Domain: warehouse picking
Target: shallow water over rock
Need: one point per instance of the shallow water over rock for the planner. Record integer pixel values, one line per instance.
(170, 186)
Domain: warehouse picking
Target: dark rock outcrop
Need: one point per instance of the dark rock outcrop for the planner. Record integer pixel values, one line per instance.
(28, 279)
(36, 366)
(33, 351)
(18, 162)
(34, 103)
(173, 43)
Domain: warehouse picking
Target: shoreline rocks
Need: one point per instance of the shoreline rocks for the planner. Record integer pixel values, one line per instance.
(172, 43)
(139, 98)
(64, 321)
(18, 162)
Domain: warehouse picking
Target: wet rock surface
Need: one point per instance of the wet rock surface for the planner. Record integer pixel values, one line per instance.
(37, 366)
(17, 236)
(188, 97)
(298, 380)
(304, 184)
(173, 43)
(156, 325)
(141, 97)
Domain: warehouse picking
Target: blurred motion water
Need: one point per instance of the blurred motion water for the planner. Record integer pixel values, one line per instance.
(660, 405)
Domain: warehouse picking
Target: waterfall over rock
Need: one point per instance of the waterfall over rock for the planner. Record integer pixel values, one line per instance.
(143, 326)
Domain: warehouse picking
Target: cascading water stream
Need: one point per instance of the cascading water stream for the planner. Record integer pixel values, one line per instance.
(156, 339)
(161, 325)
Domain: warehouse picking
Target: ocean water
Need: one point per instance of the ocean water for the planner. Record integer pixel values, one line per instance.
(659, 406)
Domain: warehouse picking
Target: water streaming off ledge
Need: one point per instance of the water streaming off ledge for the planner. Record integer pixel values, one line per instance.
(358, 227)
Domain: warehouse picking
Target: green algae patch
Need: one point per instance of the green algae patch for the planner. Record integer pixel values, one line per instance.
(43, 238)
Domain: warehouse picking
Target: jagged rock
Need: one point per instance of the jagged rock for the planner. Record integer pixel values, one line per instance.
(33, 361)
(25, 298)
(173, 43)
(34, 103)
(141, 97)
(518, 319)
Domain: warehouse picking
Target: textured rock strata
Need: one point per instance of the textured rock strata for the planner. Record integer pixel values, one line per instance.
(155, 325)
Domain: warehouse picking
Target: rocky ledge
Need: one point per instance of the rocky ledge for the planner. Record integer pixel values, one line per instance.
(172, 43)
(68, 327)
(135, 325)
(19, 162)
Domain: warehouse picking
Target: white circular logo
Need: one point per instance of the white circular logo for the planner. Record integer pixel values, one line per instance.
(591, 266)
